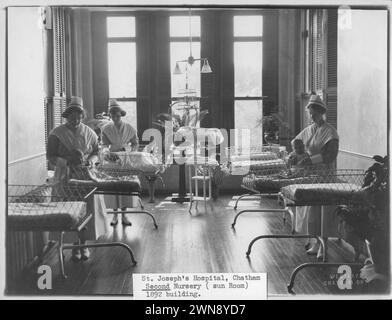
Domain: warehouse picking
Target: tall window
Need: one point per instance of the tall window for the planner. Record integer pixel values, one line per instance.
(121, 38)
(248, 65)
(180, 29)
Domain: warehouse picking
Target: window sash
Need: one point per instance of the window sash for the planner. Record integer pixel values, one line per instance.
(120, 16)
(248, 39)
(121, 39)
(248, 96)
(128, 96)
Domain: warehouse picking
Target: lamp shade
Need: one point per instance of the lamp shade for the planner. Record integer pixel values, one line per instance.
(177, 69)
(206, 67)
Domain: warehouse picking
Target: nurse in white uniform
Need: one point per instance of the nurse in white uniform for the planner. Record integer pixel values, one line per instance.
(119, 136)
(321, 142)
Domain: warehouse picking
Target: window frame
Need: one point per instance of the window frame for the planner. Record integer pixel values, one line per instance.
(182, 39)
(247, 39)
(121, 40)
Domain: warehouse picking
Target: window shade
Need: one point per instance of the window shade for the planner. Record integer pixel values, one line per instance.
(331, 87)
(323, 58)
(61, 70)
(59, 51)
(317, 50)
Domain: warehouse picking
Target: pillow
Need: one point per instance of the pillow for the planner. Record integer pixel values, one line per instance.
(140, 161)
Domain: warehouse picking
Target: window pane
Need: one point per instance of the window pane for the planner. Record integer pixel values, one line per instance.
(248, 64)
(122, 70)
(179, 26)
(120, 26)
(130, 108)
(248, 26)
(246, 116)
(180, 51)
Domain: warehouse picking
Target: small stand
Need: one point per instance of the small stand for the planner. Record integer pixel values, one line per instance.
(151, 187)
(205, 179)
(181, 196)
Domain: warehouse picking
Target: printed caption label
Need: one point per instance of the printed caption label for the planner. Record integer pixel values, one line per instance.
(206, 286)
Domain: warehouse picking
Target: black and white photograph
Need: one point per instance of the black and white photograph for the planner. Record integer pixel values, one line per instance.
(196, 151)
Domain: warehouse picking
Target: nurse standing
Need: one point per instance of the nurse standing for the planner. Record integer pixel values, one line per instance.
(119, 136)
(321, 142)
(70, 146)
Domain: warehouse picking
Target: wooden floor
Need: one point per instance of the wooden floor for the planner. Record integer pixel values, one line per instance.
(201, 242)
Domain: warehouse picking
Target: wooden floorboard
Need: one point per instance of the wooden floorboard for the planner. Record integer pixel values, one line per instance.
(201, 242)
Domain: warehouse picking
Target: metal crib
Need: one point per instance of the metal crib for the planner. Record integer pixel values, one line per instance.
(255, 161)
(54, 207)
(308, 187)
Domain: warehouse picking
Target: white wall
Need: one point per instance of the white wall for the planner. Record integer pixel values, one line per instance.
(26, 119)
(25, 124)
(362, 88)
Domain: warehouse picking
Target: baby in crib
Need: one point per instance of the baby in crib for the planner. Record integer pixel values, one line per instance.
(298, 153)
(76, 158)
(79, 167)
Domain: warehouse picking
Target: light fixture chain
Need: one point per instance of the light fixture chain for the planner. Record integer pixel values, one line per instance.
(190, 31)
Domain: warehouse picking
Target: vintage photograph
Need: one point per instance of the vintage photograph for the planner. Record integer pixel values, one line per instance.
(197, 140)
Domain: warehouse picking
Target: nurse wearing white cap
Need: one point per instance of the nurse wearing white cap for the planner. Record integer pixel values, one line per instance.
(321, 142)
(119, 136)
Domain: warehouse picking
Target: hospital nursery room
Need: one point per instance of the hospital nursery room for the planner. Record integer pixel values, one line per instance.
(216, 140)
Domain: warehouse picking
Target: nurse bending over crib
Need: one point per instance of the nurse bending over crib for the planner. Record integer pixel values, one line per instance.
(74, 145)
(321, 142)
(119, 136)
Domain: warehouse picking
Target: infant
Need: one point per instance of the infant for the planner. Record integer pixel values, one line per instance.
(76, 157)
(298, 154)
(79, 167)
